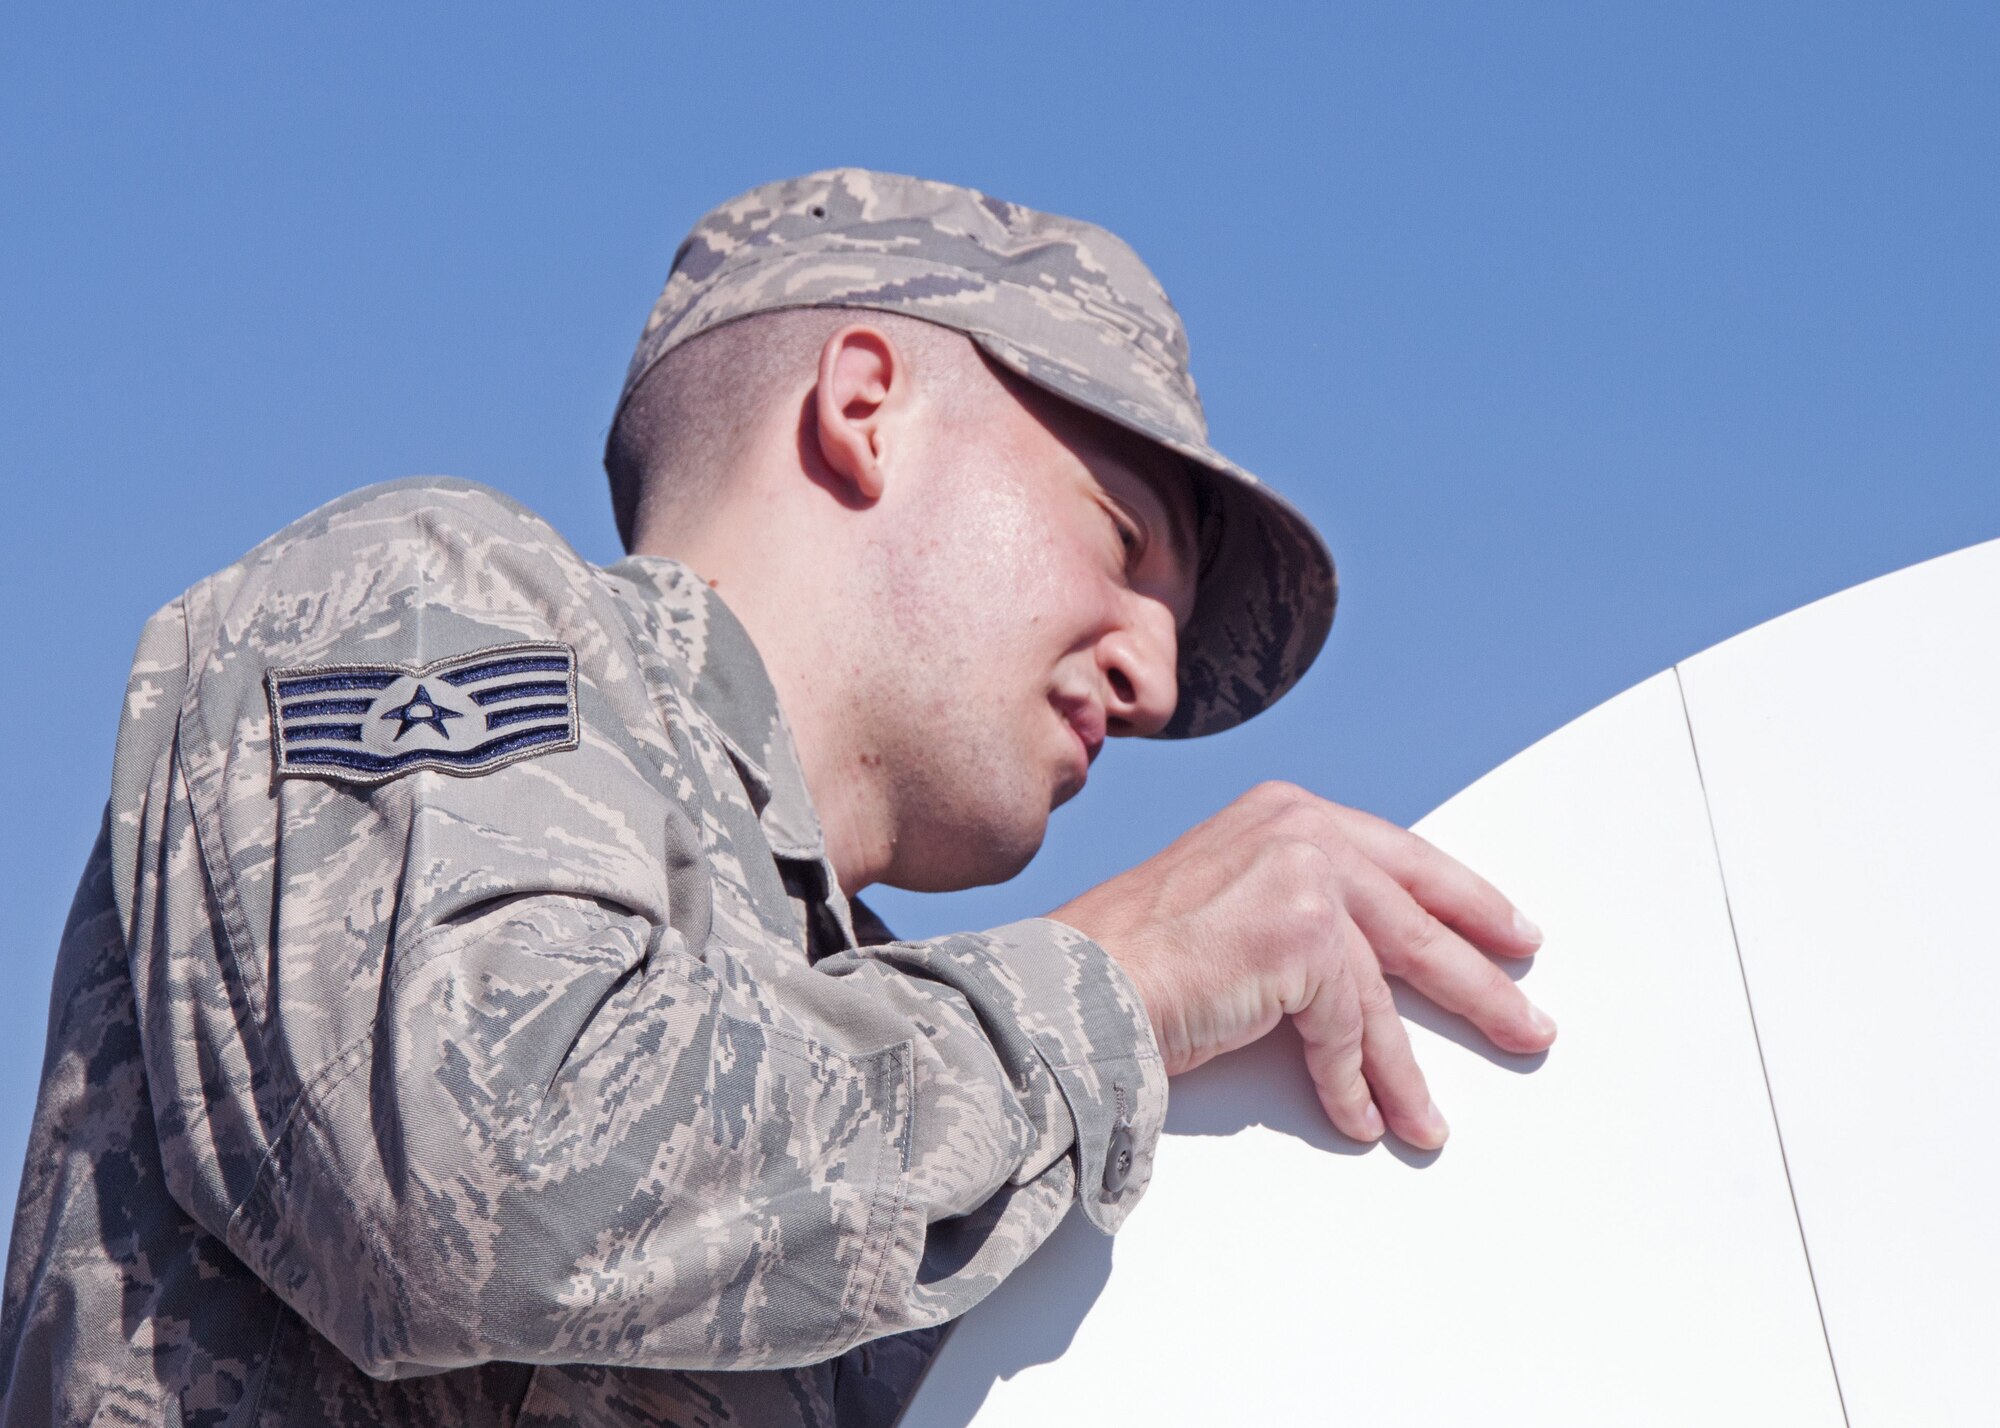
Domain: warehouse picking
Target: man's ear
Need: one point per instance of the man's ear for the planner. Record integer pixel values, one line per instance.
(863, 385)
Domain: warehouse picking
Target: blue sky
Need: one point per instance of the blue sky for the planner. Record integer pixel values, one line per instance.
(1590, 334)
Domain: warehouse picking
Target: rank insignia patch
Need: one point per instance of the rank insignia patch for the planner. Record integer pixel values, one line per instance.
(470, 714)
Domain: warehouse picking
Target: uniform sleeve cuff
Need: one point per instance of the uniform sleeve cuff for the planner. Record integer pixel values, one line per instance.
(1098, 1044)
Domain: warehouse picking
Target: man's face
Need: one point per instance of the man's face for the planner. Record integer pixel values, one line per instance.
(1039, 580)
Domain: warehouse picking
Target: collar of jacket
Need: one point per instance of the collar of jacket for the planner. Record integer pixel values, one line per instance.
(728, 682)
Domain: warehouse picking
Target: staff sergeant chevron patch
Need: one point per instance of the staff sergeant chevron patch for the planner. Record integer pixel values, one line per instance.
(470, 714)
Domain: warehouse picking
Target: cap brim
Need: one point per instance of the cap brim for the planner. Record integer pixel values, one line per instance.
(1266, 596)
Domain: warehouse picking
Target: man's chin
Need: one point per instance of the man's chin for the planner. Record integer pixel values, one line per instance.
(957, 859)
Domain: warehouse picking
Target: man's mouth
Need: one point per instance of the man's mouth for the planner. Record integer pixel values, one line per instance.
(1086, 723)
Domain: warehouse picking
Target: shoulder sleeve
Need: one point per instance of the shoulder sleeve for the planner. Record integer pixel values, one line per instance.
(470, 1056)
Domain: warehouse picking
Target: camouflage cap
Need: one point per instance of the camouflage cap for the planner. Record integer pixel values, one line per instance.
(1071, 308)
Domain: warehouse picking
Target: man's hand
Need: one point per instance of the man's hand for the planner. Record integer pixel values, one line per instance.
(1284, 904)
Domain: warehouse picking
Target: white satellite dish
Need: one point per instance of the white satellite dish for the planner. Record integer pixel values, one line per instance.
(1754, 1182)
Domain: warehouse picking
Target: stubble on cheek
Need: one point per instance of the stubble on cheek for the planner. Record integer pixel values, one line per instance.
(972, 598)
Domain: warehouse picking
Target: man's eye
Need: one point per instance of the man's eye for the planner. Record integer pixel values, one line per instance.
(1128, 534)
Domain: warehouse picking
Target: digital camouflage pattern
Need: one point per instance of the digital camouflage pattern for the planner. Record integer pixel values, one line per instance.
(1070, 307)
(557, 1093)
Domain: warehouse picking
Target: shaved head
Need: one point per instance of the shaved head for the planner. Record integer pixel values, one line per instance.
(682, 434)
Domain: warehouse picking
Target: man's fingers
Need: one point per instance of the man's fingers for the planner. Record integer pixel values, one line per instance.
(1398, 1082)
(1412, 944)
(1452, 892)
(1330, 1025)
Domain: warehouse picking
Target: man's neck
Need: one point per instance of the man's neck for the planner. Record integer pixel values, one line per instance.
(797, 632)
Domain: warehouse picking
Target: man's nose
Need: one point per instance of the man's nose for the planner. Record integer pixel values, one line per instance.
(1138, 661)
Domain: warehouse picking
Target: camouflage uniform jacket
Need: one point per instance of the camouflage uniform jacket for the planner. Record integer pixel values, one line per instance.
(545, 1086)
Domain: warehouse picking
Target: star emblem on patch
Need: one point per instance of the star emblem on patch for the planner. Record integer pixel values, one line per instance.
(467, 714)
(421, 710)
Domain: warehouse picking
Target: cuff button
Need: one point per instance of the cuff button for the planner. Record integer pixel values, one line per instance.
(1118, 1160)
